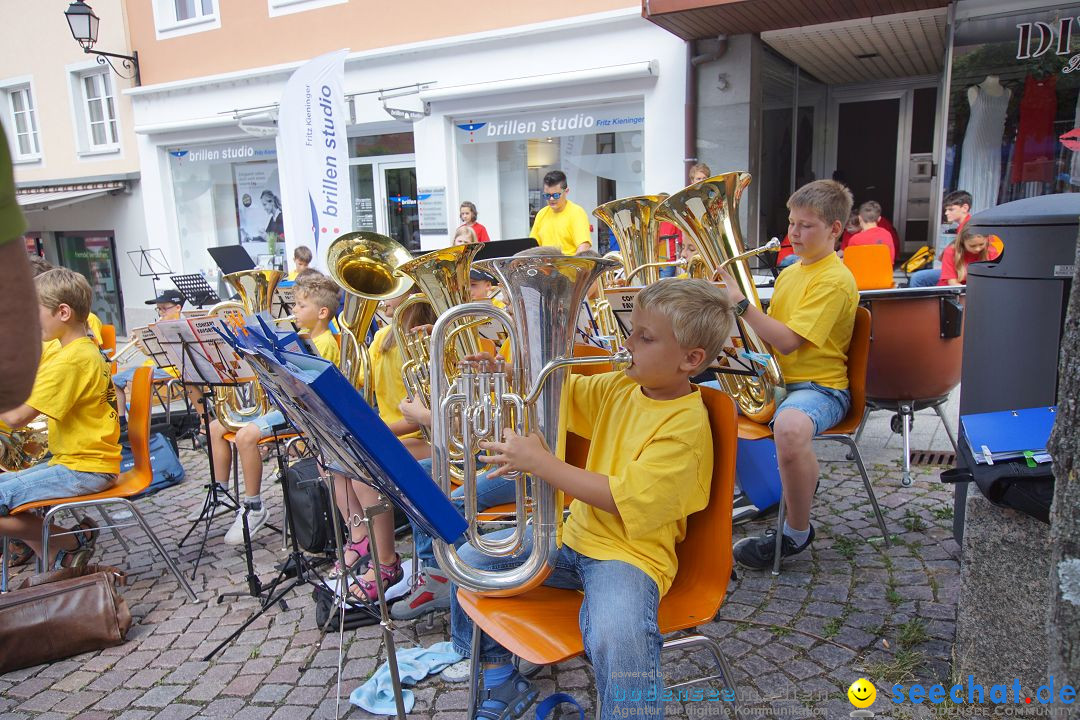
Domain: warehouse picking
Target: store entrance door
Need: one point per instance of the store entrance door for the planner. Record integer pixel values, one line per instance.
(385, 197)
(866, 150)
(93, 255)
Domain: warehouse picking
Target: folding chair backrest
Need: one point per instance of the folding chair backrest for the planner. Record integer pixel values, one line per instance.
(139, 421)
(871, 266)
(704, 554)
(108, 340)
(858, 354)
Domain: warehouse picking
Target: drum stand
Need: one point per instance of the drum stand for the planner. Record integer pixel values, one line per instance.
(902, 421)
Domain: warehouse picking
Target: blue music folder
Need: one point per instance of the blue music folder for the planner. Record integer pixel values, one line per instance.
(1008, 434)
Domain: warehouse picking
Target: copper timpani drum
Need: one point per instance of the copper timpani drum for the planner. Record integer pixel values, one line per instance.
(915, 351)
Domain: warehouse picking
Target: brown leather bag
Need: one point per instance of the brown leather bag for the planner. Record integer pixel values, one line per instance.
(62, 613)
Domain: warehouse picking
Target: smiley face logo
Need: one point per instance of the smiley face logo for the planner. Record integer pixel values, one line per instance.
(862, 693)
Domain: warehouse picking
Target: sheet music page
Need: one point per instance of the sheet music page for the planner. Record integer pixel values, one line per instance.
(622, 304)
(197, 366)
(226, 361)
(282, 302)
(150, 345)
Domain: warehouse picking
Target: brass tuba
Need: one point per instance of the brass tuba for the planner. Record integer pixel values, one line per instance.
(237, 405)
(364, 264)
(544, 295)
(633, 222)
(443, 279)
(25, 446)
(708, 212)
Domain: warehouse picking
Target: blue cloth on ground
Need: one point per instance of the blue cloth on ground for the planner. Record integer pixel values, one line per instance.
(414, 664)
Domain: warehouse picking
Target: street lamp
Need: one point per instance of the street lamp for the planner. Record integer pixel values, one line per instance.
(84, 28)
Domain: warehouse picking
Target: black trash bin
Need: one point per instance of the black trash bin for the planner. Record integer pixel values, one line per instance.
(1015, 310)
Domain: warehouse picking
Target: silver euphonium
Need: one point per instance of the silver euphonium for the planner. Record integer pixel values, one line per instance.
(544, 295)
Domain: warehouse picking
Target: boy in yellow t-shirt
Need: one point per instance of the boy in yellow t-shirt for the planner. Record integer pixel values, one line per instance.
(315, 303)
(642, 480)
(301, 259)
(811, 316)
(561, 224)
(74, 392)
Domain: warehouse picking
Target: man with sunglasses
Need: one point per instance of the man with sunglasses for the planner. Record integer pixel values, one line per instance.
(562, 224)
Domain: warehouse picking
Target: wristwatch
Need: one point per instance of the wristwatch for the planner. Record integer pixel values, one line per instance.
(740, 307)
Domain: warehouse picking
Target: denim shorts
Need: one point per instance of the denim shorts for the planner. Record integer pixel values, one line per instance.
(46, 482)
(826, 406)
(122, 379)
(269, 421)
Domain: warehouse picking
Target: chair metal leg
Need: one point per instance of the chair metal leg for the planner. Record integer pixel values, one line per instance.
(780, 513)
(474, 671)
(862, 425)
(162, 552)
(4, 565)
(948, 430)
(718, 657)
(850, 442)
(103, 511)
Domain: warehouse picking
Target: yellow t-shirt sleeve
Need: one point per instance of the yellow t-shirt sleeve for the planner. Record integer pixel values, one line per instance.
(646, 491)
(58, 386)
(327, 347)
(534, 233)
(818, 312)
(94, 323)
(579, 228)
(583, 402)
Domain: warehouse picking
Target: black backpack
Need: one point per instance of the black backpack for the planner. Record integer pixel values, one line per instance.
(310, 507)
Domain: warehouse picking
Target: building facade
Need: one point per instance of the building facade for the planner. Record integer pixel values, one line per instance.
(474, 107)
(75, 158)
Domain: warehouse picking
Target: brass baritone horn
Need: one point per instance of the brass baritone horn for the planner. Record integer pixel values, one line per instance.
(708, 212)
(238, 405)
(544, 294)
(633, 223)
(24, 447)
(365, 265)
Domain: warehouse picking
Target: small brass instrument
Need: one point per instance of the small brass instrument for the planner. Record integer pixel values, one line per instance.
(365, 265)
(24, 447)
(236, 406)
(544, 295)
(708, 212)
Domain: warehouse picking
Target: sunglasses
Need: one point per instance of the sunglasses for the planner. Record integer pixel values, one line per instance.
(552, 196)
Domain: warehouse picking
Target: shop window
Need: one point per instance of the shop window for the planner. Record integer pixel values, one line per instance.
(285, 7)
(21, 122)
(378, 145)
(96, 122)
(181, 17)
(1014, 106)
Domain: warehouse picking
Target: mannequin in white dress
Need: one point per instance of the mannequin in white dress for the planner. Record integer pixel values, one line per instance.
(980, 156)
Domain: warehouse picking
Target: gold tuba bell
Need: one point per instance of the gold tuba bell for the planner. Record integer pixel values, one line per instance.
(364, 264)
(238, 405)
(24, 447)
(708, 212)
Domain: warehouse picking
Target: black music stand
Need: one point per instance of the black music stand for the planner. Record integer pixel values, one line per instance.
(195, 289)
(150, 263)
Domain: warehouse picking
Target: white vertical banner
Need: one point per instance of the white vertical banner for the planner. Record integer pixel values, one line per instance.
(313, 156)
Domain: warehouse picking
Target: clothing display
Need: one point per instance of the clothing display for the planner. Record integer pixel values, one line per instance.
(980, 156)
(1036, 145)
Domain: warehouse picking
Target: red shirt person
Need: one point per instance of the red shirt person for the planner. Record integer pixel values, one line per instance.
(467, 213)
(970, 246)
(872, 230)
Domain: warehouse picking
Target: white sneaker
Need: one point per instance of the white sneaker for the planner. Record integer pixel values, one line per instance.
(255, 518)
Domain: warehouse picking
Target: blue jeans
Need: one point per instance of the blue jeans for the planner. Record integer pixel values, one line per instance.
(668, 271)
(266, 423)
(826, 406)
(488, 494)
(47, 482)
(925, 278)
(617, 620)
(123, 379)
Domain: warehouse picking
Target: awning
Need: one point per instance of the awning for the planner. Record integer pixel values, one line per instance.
(695, 19)
(54, 196)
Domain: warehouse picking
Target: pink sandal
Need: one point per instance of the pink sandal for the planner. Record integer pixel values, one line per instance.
(363, 552)
(389, 575)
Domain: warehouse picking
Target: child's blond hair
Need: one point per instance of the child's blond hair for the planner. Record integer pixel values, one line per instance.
(61, 286)
(464, 235)
(320, 290)
(831, 200)
(701, 314)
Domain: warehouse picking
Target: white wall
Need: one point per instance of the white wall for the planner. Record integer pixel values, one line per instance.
(196, 111)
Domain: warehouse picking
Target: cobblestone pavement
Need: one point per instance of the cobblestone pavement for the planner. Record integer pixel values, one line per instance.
(849, 608)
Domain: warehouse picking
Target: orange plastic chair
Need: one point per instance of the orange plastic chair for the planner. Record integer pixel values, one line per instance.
(843, 432)
(108, 340)
(541, 625)
(129, 484)
(871, 266)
